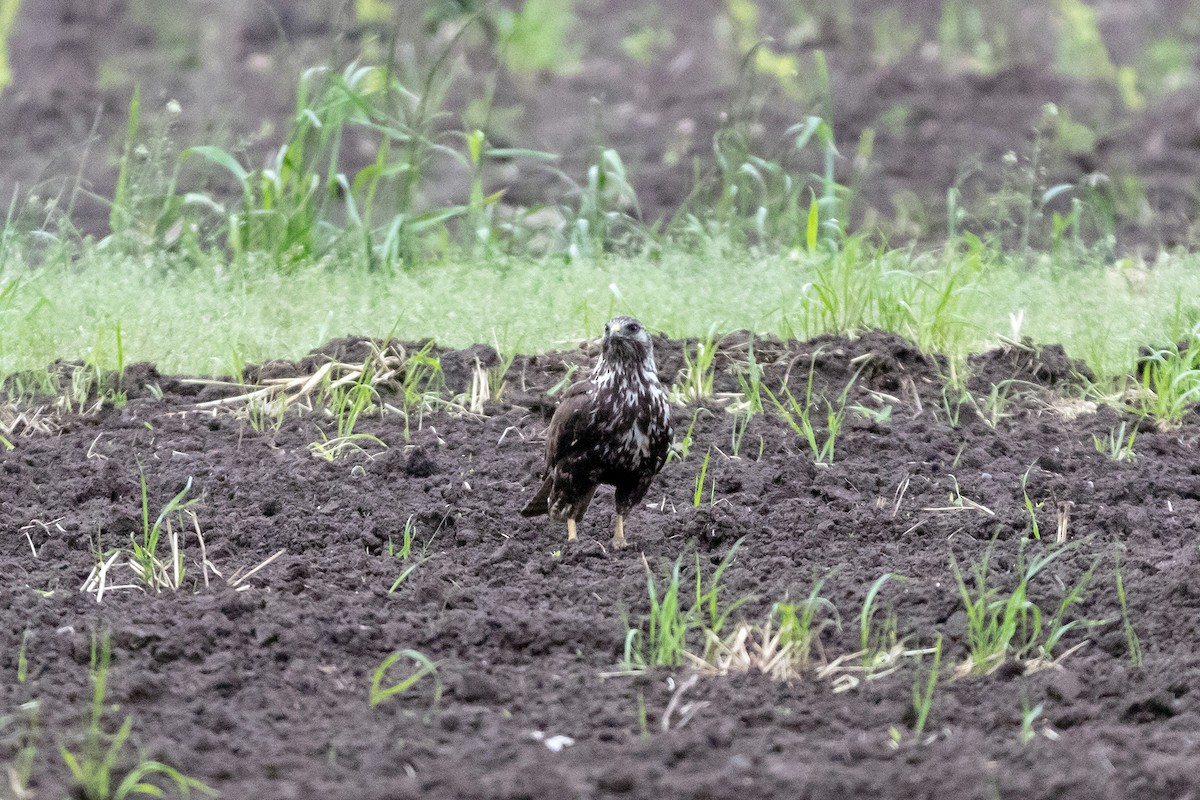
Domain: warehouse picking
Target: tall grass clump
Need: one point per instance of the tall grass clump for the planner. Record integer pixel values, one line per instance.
(1170, 381)
(667, 635)
(1003, 623)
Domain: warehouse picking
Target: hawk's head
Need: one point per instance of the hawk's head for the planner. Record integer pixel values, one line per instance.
(627, 342)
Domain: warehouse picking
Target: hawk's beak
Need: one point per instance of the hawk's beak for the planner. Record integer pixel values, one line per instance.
(616, 330)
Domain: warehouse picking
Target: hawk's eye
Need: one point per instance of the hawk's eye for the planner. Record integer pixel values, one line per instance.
(634, 327)
(606, 331)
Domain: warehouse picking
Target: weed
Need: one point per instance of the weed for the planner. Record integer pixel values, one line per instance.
(1133, 644)
(696, 378)
(425, 667)
(346, 403)
(1028, 717)
(1117, 445)
(1002, 623)
(698, 489)
(799, 416)
(1170, 382)
(155, 572)
(922, 696)
(877, 639)
(94, 768)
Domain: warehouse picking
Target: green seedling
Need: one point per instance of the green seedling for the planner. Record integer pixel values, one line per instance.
(1028, 717)
(1117, 445)
(96, 768)
(798, 633)
(663, 640)
(995, 406)
(155, 572)
(1170, 383)
(698, 483)
(737, 434)
(750, 381)
(1132, 643)
(1058, 626)
(799, 415)
(382, 686)
(713, 613)
(922, 696)
(346, 404)
(1008, 623)
(28, 719)
(680, 452)
(877, 415)
(877, 639)
(405, 551)
(565, 381)
(952, 404)
(642, 717)
(406, 541)
(1031, 508)
(699, 371)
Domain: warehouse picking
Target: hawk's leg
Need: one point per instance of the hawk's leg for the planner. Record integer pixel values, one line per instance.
(570, 529)
(619, 537)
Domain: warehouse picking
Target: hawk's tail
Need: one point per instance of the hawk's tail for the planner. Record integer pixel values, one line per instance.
(540, 504)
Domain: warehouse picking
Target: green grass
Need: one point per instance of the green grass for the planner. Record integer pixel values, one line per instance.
(1009, 623)
(154, 571)
(190, 320)
(1118, 445)
(99, 766)
(666, 637)
(922, 695)
(799, 414)
(1132, 642)
(385, 686)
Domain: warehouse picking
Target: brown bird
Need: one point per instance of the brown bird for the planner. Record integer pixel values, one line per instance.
(614, 428)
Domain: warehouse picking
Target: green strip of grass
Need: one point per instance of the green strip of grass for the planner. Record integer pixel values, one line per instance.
(213, 319)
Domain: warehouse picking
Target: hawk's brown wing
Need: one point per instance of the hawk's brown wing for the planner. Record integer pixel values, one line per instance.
(567, 433)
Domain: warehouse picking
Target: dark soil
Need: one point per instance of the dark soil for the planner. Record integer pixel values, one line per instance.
(264, 692)
(940, 119)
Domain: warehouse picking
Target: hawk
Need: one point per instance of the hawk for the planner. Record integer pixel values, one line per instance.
(613, 428)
